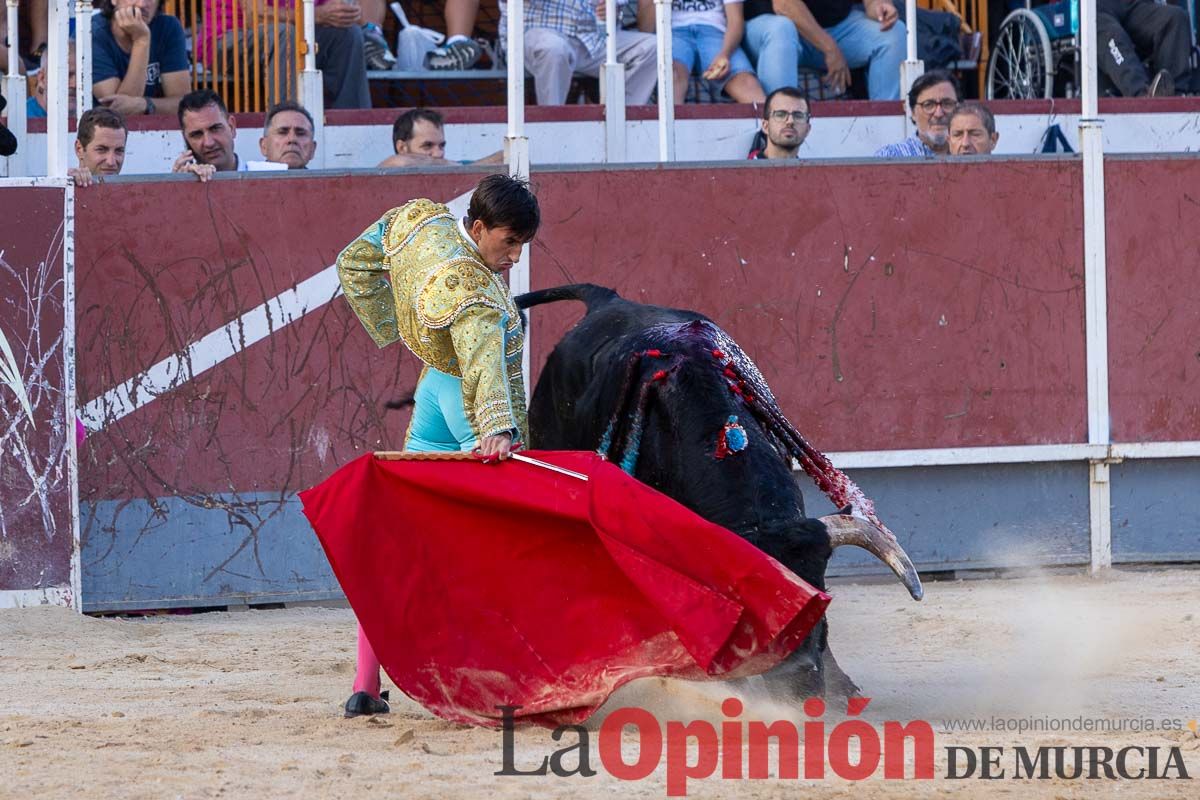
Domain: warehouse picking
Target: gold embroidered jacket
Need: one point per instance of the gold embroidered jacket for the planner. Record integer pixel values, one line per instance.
(412, 276)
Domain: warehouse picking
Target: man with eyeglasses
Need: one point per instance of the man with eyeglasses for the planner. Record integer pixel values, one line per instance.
(932, 99)
(785, 124)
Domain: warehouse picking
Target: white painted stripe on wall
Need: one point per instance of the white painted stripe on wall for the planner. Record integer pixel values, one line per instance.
(223, 343)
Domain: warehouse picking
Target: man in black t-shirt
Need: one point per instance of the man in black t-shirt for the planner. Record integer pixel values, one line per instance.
(830, 35)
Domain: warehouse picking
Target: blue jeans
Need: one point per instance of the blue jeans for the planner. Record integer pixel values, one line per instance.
(695, 47)
(773, 44)
(864, 45)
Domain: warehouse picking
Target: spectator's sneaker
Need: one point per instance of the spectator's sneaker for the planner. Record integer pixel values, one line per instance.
(1163, 85)
(462, 54)
(375, 48)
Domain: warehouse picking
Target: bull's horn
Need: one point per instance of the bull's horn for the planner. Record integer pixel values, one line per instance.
(845, 529)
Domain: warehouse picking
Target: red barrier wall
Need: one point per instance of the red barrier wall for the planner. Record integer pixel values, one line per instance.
(1153, 209)
(280, 414)
(35, 508)
(901, 306)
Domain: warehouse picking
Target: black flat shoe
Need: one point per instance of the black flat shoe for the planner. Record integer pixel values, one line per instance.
(361, 704)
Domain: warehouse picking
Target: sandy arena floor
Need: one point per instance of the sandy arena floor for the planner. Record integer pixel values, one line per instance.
(247, 705)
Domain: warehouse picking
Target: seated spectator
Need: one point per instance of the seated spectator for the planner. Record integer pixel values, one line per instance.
(566, 37)
(835, 36)
(139, 58)
(35, 104)
(785, 124)
(460, 51)
(972, 131)
(419, 139)
(376, 51)
(8, 142)
(339, 48)
(208, 134)
(35, 21)
(288, 136)
(99, 146)
(706, 39)
(932, 99)
(1132, 31)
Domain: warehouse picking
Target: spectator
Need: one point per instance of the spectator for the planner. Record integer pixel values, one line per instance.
(1130, 31)
(834, 36)
(785, 124)
(972, 131)
(706, 35)
(99, 146)
(8, 142)
(339, 48)
(35, 104)
(139, 58)
(460, 51)
(932, 99)
(376, 52)
(288, 136)
(419, 139)
(208, 134)
(566, 37)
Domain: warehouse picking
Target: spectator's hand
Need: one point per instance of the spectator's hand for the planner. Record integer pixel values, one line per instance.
(338, 14)
(124, 105)
(837, 71)
(718, 69)
(186, 162)
(130, 21)
(601, 9)
(82, 176)
(883, 12)
(496, 446)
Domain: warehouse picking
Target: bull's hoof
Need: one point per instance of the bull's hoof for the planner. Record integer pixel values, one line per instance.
(362, 704)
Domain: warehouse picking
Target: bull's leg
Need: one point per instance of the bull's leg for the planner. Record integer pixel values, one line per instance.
(837, 682)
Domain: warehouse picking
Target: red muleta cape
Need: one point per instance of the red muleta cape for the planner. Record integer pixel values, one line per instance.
(510, 585)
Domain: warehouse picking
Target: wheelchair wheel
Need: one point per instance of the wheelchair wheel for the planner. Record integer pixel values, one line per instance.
(1021, 64)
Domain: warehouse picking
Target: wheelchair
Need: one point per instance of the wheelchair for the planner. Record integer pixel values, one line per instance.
(1036, 52)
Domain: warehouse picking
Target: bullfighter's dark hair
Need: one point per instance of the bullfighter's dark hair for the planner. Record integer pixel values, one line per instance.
(784, 91)
(500, 201)
(932, 78)
(98, 118)
(201, 98)
(402, 128)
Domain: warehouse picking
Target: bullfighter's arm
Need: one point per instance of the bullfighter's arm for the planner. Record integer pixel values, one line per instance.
(363, 272)
(478, 336)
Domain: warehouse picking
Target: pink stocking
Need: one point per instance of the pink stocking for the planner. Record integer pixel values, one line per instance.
(366, 679)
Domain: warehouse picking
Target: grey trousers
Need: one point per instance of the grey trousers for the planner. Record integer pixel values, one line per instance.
(339, 57)
(553, 57)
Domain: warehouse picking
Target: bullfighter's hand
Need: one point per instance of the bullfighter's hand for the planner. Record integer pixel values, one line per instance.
(496, 446)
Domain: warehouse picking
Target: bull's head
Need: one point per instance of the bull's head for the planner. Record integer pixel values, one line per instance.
(805, 548)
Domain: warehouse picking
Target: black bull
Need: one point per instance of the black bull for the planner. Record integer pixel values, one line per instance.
(670, 397)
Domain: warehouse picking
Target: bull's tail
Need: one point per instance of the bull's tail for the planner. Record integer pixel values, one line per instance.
(590, 294)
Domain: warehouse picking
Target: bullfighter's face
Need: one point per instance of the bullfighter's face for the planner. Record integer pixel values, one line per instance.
(499, 247)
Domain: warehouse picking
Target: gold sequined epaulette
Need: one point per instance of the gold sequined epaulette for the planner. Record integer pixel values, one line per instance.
(409, 220)
(454, 286)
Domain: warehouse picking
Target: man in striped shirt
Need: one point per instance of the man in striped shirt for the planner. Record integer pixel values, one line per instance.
(932, 99)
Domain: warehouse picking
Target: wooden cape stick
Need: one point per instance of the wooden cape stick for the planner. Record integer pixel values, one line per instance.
(398, 455)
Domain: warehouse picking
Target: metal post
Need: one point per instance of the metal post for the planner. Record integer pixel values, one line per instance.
(311, 86)
(516, 143)
(70, 398)
(612, 85)
(1091, 140)
(57, 134)
(666, 81)
(14, 93)
(83, 57)
(912, 67)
